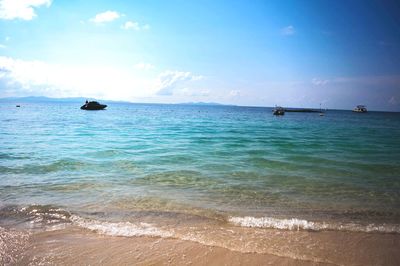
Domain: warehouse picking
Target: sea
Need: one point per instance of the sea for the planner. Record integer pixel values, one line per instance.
(217, 175)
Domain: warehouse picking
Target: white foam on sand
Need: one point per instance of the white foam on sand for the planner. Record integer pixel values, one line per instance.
(267, 222)
(127, 229)
(299, 224)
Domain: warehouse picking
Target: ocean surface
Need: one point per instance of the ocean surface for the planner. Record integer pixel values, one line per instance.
(163, 170)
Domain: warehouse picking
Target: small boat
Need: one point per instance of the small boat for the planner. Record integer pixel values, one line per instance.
(93, 105)
(320, 111)
(278, 111)
(18, 105)
(360, 109)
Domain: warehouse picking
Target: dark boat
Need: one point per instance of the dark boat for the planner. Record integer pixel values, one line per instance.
(278, 111)
(93, 105)
(360, 109)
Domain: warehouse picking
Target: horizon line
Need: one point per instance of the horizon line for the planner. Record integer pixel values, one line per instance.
(185, 103)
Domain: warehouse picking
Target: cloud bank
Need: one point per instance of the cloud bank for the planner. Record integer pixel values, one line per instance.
(25, 78)
(37, 78)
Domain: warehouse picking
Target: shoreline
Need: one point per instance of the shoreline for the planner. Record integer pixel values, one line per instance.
(77, 247)
(69, 244)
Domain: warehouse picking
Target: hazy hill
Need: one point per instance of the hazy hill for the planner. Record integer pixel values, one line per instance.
(43, 99)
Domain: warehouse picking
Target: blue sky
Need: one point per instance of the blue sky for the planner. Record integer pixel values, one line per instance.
(261, 53)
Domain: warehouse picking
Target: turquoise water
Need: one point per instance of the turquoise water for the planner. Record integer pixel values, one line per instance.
(211, 161)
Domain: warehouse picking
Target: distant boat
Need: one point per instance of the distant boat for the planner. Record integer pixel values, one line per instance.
(360, 109)
(93, 105)
(18, 105)
(320, 111)
(278, 111)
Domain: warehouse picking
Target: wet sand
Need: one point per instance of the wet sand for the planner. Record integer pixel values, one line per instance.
(76, 246)
(85, 248)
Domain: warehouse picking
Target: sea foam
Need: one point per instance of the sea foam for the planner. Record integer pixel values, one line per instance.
(300, 224)
(268, 222)
(120, 228)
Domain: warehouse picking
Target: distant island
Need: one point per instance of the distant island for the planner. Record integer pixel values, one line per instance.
(205, 103)
(43, 99)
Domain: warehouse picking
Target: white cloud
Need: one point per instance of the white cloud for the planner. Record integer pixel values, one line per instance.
(20, 9)
(132, 25)
(234, 93)
(23, 78)
(106, 16)
(171, 81)
(144, 66)
(289, 30)
(319, 82)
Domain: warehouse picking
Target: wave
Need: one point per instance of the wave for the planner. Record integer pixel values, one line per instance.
(126, 229)
(51, 217)
(232, 234)
(299, 224)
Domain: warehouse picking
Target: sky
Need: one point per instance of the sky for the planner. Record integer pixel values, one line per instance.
(255, 53)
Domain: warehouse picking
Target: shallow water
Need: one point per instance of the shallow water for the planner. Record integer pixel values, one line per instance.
(240, 166)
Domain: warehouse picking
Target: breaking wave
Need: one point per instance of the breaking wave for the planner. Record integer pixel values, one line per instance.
(299, 224)
(127, 229)
(53, 218)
